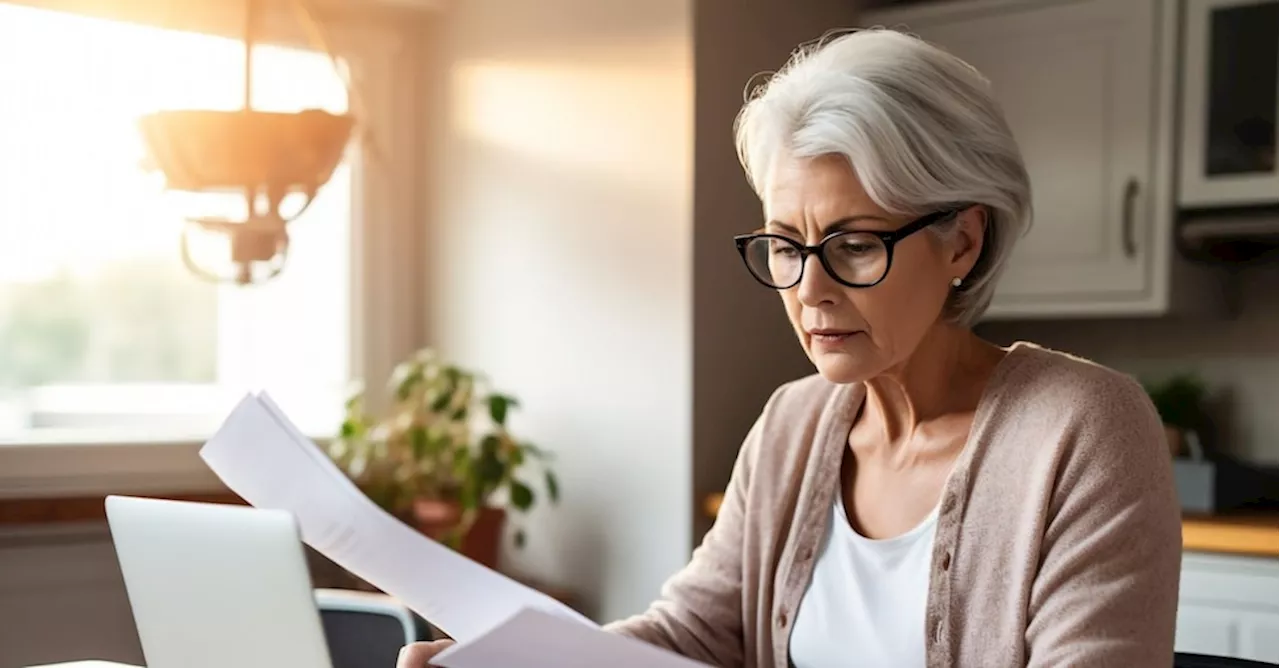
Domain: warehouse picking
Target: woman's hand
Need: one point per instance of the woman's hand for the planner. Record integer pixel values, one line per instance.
(419, 654)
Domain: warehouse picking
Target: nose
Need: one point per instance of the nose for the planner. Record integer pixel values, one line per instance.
(816, 285)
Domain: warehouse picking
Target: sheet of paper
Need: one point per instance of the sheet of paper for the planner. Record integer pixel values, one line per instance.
(535, 639)
(86, 664)
(261, 456)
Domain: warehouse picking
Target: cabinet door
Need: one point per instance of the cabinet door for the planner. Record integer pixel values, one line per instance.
(1076, 81)
(1227, 606)
(1260, 637)
(1207, 630)
(1236, 632)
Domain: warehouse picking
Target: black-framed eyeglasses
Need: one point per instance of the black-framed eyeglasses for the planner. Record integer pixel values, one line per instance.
(854, 258)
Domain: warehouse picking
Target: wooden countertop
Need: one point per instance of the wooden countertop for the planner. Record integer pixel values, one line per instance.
(1246, 534)
(1253, 534)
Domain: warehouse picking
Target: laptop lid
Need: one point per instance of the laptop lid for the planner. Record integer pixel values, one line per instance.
(215, 585)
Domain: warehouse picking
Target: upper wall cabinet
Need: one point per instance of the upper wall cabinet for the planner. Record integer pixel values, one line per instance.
(1228, 133)
(1086, 88)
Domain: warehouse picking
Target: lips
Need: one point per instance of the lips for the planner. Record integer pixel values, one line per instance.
(827, 337)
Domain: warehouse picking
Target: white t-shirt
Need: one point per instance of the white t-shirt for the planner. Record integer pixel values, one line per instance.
(865, 604)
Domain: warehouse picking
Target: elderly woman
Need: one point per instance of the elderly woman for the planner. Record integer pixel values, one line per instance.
(927, 498)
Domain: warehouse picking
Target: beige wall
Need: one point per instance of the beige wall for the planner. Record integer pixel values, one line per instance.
(1236, 356)
(559, 260)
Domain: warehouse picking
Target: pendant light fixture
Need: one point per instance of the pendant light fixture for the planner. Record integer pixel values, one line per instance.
(261, 156)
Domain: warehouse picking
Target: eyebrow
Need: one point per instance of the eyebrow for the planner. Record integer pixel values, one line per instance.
(831, 227)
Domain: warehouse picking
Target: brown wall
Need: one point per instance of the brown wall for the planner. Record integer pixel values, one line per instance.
(742, 348)
(1236, 357)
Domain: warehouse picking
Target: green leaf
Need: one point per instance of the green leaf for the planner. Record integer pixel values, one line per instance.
(498, 407)
(534, 450)
(489, 468)
(553, 487)
(460, 459)
(521, 495)
(354, 399)
(520, 538)
(438, 443)
(418, 442)
(470, 495)
(1179, 400)
(453, 539)
(410, 376)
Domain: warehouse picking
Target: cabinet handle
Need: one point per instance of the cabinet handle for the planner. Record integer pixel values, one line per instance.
(1130, 199)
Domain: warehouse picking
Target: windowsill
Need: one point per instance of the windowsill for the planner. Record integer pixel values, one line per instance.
(53, 469)
(78, 515)
(47, 468)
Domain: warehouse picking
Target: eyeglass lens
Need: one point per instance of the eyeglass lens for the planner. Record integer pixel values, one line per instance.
(854, 257)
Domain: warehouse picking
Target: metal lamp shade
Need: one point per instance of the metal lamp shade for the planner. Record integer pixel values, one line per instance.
(263, 156)
(204, 150)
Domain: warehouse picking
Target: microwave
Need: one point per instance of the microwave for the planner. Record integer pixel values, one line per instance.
(1227, 147)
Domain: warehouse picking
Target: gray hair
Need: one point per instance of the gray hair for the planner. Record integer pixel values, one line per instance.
(919, 127)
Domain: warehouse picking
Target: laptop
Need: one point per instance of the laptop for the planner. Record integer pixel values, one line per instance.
(214, 585)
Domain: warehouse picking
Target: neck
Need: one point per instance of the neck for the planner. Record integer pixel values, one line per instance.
(945, 375)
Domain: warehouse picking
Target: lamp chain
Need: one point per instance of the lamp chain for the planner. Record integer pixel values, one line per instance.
(250, 32)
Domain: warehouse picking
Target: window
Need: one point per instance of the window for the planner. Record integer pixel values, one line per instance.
(103, 332)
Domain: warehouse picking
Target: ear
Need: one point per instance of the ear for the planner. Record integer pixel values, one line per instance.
(966, 241)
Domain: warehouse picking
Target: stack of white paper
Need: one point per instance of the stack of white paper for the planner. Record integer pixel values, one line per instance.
(261, 456)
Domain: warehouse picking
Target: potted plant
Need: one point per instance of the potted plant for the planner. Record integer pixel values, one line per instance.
(1180, 402)
(442, 458)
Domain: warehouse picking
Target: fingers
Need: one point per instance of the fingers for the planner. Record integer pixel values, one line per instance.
(419, 654)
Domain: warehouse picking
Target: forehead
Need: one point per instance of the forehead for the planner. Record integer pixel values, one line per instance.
(815, 189)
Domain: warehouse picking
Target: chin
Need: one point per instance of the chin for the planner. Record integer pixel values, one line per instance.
(842, 368)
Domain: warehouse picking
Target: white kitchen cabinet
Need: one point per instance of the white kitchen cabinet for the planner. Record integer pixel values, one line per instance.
(1086, 86)
(1228, 606)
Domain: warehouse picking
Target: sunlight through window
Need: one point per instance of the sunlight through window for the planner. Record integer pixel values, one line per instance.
(103, 332)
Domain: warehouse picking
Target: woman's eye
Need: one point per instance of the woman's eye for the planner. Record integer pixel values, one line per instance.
(782, 250)
(856, 248)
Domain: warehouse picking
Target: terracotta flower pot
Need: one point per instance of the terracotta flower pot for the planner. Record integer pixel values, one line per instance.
(482, 544)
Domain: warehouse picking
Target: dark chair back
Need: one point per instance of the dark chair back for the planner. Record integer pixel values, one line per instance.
(1184, 660)
(367, 630)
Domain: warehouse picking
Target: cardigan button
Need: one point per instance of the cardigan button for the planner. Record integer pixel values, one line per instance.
(937, 631)
(782, 619)
(946, 561)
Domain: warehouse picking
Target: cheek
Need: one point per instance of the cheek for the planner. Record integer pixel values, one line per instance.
(904, 305)
(919, 275)
(791, 303)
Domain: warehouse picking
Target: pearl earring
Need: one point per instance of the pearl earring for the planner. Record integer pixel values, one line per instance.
(955, 282)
